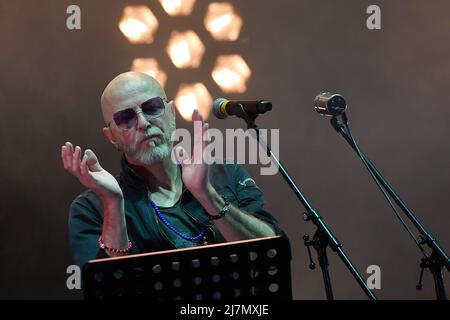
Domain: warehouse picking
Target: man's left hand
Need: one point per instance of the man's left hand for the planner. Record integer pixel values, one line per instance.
(195, 170)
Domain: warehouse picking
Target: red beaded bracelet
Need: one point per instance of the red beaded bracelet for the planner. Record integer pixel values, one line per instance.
(102, 245)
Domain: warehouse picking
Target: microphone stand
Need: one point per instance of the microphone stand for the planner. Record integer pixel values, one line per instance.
(438, 257)
(323, 236)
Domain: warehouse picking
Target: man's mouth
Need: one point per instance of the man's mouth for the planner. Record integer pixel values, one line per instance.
(151, 137)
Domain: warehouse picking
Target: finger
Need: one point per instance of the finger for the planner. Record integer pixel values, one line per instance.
(76, 161)
(207, 157)
(206, 135)
(195, 115)
(92, 161)
(69, 146)
(86, 177)
(182, 156)
(198, 142)
(64, 152)
(198, 136)
(68, 154)
(83, 166)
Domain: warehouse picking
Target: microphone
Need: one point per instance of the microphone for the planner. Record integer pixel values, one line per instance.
(223, 108)
(330, 104)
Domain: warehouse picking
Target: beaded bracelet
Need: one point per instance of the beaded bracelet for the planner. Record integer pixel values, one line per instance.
(225, 209)
(102, 245)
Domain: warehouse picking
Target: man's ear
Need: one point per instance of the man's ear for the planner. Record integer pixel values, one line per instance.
(108, 134)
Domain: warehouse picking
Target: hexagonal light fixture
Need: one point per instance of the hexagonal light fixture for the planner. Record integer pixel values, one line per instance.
(222, 22)
(178, 7)
(185, 49)
(231, 73)
(138, 24)
(191, 97)
(151, 67)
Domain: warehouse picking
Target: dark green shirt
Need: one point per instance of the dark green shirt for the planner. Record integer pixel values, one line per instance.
(145, 230)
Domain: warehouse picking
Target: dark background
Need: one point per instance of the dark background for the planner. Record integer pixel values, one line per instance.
(396, 81)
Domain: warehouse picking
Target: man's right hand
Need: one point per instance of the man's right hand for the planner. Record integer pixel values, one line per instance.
(90, 173)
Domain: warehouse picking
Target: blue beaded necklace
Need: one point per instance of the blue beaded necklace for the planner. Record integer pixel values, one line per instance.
(168, 225)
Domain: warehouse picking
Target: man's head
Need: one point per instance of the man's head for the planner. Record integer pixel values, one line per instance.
(147, 137)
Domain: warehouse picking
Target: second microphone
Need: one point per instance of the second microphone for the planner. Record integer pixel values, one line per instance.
(223, 108)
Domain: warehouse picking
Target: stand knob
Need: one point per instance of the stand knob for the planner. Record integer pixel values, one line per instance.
(308, 243)
(423, 265)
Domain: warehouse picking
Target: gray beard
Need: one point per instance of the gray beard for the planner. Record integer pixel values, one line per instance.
(157, 154)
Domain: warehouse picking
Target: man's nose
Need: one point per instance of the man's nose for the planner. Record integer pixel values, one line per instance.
(142, 122)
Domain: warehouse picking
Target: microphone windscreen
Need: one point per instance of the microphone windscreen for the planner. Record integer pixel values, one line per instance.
(217, 108)
(330, 104)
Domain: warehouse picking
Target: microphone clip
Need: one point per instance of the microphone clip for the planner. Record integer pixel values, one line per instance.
(249, 118)
(340, 122)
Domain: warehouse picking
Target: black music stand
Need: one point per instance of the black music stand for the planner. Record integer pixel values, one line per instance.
(249, 269)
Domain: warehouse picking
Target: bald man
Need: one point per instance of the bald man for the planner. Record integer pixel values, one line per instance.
(156, 203)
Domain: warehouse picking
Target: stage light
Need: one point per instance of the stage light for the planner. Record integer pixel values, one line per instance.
(138, 24)
(193, 96)
(231, 73)
(151, 67)
(178, 7)
(185, 49)
(222, 22)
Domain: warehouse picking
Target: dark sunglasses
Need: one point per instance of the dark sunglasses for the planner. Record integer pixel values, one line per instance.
(127, 118)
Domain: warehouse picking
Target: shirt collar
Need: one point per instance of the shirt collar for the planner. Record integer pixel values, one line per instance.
(129, 176)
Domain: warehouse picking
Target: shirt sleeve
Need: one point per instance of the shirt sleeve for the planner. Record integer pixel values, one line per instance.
(251, 199)
(85, 228)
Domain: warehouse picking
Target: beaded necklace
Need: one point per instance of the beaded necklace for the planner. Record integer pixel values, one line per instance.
(178, 233)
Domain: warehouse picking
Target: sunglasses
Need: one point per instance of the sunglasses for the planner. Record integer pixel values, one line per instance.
(151, 109)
